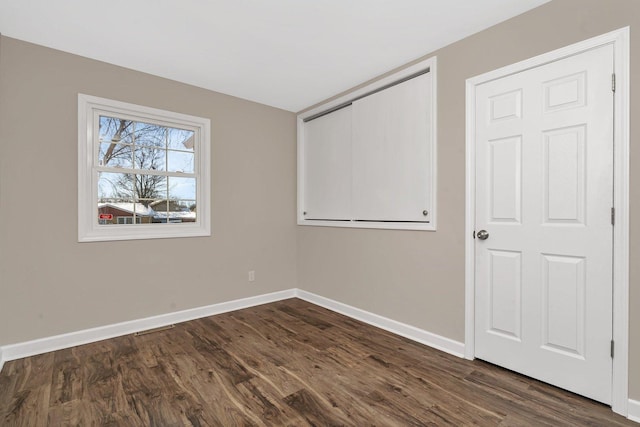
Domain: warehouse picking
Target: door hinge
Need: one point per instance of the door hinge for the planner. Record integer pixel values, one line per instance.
(613, 82)
(613, 216)
(612, 346)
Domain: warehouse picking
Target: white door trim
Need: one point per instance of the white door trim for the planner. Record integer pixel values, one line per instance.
(620, 40)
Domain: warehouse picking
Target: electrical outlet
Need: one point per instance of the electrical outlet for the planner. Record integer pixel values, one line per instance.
(252, 276)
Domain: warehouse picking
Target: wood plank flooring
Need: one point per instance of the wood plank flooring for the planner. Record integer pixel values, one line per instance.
(289, 363)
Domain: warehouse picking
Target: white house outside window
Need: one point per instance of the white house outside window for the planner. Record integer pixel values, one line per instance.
(143, 172)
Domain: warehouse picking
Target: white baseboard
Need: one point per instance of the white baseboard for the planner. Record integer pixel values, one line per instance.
(633, 409)
(411, 332)
(72, 339)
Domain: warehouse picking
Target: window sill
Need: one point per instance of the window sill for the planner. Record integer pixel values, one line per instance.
(143, 232)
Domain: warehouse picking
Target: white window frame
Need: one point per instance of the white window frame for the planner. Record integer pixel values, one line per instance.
(431, 225)
(89, 229)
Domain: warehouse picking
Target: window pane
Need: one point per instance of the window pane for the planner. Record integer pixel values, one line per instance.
(147, 158)
(180, 139)
(160, 205)
(174, 211)
(115, 155)
(123, 213)
(149, 203)
(150, 135)
(125, 220)
(149, 187)
(180, 161)
(114, 186)
(115, 211)
(182, 188)
(113, 129)
(160, 209)
(144, 211)
(187, 211)
(106, 213)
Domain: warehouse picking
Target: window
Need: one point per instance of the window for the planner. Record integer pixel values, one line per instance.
(143, 173)
(368, 159)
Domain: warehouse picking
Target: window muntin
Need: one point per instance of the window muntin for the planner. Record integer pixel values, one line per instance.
(142, 163)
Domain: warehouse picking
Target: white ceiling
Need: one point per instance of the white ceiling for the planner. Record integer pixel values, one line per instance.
(284, 53)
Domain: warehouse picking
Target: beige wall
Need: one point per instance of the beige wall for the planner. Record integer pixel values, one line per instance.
(50, 284)
(418, 277)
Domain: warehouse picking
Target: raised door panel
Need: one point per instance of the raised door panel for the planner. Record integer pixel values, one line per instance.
(392, 153)
(505, 288)
(563, 317)
(564, 175)
(506, 179)
(327, 167)
(505, 106)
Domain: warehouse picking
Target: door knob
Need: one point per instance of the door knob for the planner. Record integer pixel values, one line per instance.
(483, 235)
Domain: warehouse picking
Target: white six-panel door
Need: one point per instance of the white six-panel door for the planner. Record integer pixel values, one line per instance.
(544, 192)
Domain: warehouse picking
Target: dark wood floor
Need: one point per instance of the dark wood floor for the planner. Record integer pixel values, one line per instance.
(283, 364)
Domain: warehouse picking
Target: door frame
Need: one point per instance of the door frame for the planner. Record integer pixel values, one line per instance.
(620, 41)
